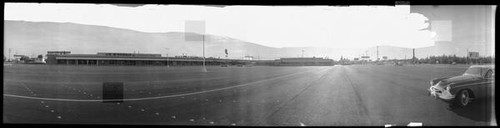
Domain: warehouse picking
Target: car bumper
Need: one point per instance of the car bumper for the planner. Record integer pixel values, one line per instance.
(440, 94)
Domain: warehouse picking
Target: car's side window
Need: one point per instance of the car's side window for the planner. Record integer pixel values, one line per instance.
(488, 74)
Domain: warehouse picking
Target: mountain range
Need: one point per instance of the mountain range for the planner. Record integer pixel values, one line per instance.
(34, 38)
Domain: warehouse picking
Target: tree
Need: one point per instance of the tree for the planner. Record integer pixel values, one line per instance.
(40, 56)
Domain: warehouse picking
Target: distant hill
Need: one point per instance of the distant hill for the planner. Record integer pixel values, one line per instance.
(39, 37)
(34, 38)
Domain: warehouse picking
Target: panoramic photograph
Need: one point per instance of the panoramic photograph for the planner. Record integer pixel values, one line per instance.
(249, 65)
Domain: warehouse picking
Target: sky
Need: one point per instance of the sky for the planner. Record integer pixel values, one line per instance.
(275, 26)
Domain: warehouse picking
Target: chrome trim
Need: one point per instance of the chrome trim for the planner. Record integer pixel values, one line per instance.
(443, 94)
(475, 84)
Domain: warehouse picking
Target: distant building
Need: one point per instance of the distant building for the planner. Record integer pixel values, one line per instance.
(38, 60)
(189, 57)
(311, 61)
(58, 52)
(248, 58)
(108, 58)
(128, 54)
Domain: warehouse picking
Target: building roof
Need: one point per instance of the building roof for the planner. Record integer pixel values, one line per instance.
(147, 58)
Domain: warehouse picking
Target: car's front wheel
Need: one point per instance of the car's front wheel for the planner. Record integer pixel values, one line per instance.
(463, 98)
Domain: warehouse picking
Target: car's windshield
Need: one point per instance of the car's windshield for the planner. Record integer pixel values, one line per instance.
(473, 71)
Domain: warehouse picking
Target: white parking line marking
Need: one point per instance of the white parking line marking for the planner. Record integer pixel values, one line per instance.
(302, 124)
(415, 124)
(159, 97)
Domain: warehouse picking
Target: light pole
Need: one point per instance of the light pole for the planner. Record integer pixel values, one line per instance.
(166, 49)
(377, 54)
(302, 53)
(197, 28)
(204, 69)
(9, 54)
(467, 58)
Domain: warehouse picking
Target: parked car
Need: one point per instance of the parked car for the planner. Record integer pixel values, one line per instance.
(475, 82)
(398, 63)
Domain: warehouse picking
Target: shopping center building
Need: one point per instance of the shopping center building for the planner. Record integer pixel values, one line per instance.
(105, 58)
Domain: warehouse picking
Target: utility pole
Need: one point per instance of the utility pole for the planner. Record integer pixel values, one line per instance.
(196, 28)
(204, 69)
(302, 53)
(166, 49)
(377, 54)
(341, 59)
(9, 54)
(413, 59)
(467, 57)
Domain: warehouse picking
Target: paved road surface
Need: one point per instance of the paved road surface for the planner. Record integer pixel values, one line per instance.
(372, 95)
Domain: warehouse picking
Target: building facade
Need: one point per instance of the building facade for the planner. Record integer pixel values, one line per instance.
(312, 61)
(105, 58)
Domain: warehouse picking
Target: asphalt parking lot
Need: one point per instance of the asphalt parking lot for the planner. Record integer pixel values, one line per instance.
(341, 95)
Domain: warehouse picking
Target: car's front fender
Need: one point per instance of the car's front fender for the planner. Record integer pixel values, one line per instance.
(438, 79)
